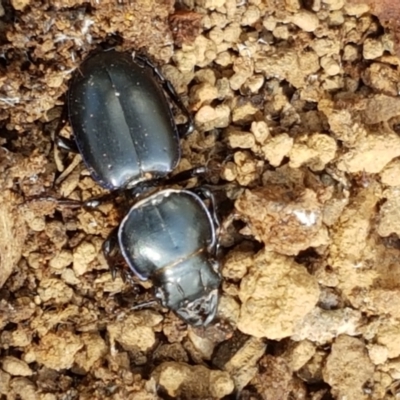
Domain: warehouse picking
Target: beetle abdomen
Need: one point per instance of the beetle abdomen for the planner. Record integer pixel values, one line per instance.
(122, 122)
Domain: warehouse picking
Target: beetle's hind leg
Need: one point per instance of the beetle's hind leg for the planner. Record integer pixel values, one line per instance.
(183, 129)
(188, 127)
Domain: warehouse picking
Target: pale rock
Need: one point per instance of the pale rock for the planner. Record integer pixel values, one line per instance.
(348, 368)
(242, 367)
(372, 48)
(306, 21)
(185, 381)
(276, 295)
(371, 154)
(276, 148)
(299, 353)
(16, 367)
(135, 331)
(322, 326)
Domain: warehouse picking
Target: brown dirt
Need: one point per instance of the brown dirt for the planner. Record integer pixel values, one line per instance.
(297, 114)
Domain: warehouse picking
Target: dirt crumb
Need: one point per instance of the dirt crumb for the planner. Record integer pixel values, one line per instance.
(12, 234)
(261, 290)
(372, 153)
(273, 214)
(242, 366)
(299, 354)
(135, 332)
(276, 369)
(57, 351)
(16, 367)
(322, 326)
(183, 380)
(348, 368)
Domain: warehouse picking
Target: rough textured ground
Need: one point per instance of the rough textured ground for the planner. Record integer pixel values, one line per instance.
(297, 114)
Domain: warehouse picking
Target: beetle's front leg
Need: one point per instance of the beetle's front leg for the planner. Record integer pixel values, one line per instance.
(206, 193)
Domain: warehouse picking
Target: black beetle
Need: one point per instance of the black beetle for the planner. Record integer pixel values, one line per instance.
(121, 120)
(125, 131)
(170, 238)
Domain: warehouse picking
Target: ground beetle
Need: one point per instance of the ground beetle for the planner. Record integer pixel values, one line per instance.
(125, 131)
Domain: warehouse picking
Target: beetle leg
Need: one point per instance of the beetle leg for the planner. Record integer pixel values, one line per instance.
(95, 202)
(183, 129)
(110, 248)
(145, 304)
(178, 178)
(68, 203)
(188, 127)
(207, 193)
(185, 175)
(60, 141)
(111, 251)
(66, 144)
(92, 203)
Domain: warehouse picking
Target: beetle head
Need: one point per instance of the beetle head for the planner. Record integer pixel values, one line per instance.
(201, 311)
(190, 289)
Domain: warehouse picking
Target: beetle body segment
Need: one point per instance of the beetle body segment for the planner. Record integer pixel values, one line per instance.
(170, 237)
(122, 122)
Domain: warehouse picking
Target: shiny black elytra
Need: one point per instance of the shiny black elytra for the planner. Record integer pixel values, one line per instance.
(121, 120)
(125, 131)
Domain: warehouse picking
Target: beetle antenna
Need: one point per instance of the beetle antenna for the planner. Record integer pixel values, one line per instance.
(145, 304)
